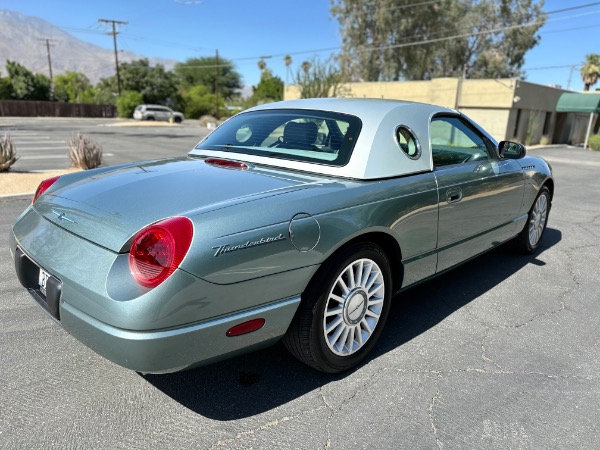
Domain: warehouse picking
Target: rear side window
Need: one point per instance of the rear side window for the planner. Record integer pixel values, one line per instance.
(300, 135)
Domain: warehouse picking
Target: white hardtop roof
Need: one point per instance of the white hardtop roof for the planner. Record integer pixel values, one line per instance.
(376, 153)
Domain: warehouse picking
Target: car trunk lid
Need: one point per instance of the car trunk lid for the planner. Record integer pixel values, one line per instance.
(109, 208)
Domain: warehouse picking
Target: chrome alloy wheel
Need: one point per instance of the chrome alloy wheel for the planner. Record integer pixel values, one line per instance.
(353, 307)
(537, 221)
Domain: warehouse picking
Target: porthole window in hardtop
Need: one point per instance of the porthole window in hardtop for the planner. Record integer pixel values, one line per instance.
(408, 142)
(301, 135)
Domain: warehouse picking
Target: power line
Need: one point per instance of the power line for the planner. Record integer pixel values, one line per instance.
(114, 35)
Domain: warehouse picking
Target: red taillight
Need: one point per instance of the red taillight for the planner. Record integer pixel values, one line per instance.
(43, 187)
(227, 163)
(157, 250)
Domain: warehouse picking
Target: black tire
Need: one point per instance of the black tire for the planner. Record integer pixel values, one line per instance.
(531, 236)
(150, 118)
(306, 338)
(177, 120)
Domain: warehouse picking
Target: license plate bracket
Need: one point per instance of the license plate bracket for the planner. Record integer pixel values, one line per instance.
(45, 288)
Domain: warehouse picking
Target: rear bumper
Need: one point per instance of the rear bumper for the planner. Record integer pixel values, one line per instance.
(163, 351)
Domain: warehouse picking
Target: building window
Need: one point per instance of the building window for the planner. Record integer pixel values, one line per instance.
(547, 123)
(516, 131)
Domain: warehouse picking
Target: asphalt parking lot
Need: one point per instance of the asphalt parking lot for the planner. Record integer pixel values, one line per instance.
(500, 353)
(42, 142)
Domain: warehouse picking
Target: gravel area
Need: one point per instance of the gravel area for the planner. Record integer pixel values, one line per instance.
(15, 183)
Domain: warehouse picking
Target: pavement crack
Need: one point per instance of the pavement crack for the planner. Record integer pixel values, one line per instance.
(486, 359)
(329, 419)
(548, 313)
(434, 400)
(264, 427)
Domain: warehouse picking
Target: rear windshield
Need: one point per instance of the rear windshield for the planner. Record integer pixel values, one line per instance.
(300, 135)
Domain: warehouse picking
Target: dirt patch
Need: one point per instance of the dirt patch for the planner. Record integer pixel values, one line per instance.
(14, 183)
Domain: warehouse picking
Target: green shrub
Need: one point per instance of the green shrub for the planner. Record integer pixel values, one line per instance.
(594, 142)
(84, 152)
(8, 153)
(127, 102)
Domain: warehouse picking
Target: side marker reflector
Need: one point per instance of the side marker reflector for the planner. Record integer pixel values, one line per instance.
(246, 327)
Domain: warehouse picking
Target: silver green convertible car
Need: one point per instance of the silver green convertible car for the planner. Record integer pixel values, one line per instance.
(297, 220)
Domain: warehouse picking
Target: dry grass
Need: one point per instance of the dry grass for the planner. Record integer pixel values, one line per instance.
(8, 153)
(84, 152)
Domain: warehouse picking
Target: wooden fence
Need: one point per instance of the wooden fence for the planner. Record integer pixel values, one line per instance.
(27, 108)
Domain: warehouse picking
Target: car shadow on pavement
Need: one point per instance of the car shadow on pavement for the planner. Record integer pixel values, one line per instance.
(252, 384)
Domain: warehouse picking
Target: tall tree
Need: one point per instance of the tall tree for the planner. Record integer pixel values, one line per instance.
(156, 84)
(203, 71)
(269, 89)
(408, 40)
(590, 70)
(73, 87)
(318, 78)
(26, 85)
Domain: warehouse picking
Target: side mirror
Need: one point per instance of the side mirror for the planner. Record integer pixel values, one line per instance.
(511, 150)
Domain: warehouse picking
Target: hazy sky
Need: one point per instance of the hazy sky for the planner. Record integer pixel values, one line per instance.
(245, 30)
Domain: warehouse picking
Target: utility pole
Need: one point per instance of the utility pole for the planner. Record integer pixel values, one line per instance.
(570, 76)
(459, 86)
(49, 65)
(114, 35)
(217, 81)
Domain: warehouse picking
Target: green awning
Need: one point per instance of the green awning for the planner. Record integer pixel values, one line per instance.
(581, 103)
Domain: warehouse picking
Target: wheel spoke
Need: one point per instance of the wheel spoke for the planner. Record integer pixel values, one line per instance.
(350, 342)
(350, 274)
(333, 325)
(371, 313)
(342, 340)
(342, 285)
(337, 311)
(374, 291)
(337, 298)
(365, 324)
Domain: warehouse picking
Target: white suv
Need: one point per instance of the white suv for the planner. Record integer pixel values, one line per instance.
(157, 112)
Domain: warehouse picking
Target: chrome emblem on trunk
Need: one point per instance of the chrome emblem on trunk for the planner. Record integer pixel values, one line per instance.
(62, 216)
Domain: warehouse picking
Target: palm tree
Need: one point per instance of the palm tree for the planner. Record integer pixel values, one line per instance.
(288, 62)
(262, 65)
(590, 70)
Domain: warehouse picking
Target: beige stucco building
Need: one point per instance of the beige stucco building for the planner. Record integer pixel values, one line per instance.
(507, 108)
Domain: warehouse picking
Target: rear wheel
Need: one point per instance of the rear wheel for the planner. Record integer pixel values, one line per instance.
(343, 310)
(531, 236)
(177, 119)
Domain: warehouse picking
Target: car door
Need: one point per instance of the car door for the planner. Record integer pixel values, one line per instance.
(480, 195)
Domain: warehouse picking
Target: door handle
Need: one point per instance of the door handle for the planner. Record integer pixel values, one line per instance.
(454, 195)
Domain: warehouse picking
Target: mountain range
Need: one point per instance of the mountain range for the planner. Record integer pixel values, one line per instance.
(23, 39)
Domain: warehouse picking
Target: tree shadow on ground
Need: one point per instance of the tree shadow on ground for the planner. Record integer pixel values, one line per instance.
(263, 380)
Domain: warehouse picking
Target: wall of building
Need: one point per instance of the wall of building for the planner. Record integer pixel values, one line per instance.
(495, 104)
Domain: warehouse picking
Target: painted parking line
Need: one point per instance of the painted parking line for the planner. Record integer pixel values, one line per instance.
(552, 159)
(32, 157)
(18, 142)
(41, 148)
